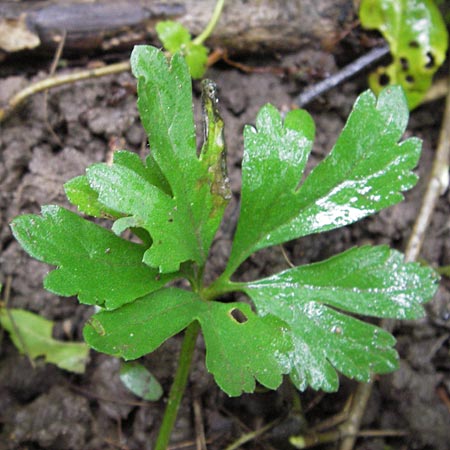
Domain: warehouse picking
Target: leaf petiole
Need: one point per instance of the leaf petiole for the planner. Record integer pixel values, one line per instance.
(221, 286)
(211, 24)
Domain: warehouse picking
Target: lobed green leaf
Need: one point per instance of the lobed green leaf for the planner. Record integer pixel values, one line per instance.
(93, 263)
(237, 353)
(366, 171)
(182, 220)
(371, 281)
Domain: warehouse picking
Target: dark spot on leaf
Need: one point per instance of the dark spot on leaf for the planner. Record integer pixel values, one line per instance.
(170, 220)
(238, 315)
(409, 79)
(384, 79)
(414, 44)
(431, 61)
(404, 63)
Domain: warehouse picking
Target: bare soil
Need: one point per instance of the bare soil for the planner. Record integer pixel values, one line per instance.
(53, 139)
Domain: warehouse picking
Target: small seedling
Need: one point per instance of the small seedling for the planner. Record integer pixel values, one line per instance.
(298, 321)
(177, 39)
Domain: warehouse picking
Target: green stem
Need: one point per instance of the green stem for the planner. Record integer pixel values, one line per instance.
(178, 386)
(211, 24)
(221, 286)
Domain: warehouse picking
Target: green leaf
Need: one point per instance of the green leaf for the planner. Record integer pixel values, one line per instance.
(418, 40)
(140, 381)
(176, 38)
(172, 35)
(371, 281)
(237, 353)
(182, 223)
(196, 58)
(365, 172)
(80, 194)
(32, 335)
(93, 263)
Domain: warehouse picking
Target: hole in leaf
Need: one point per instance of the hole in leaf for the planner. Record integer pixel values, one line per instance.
(414, 44)
(409, 79)
(384, 79)
(404, 63)
(431, 61)
(238, 315)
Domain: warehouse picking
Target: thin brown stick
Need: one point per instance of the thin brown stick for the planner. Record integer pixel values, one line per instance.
(349, 429)
(437, 184)
(53, 67)
(200, 439)
(438, 90)
(59, 80)
(286, 257)
(252, 435)
(313, 439)
(442, 394)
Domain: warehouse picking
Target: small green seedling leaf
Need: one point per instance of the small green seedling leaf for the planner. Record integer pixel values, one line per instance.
(365, 172)
(32, 335)
(418, 40)
(176, 38)
(140, 381)
(240, 346)
(304, 297)
(94, 264)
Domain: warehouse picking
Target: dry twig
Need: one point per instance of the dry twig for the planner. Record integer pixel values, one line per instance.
(59, 80)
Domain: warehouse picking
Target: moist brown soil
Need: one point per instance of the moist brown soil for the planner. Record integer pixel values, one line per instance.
(53, 139)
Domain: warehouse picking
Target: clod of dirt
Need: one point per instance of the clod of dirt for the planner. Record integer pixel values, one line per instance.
(26, 382)
(57, 420)
(417, 407)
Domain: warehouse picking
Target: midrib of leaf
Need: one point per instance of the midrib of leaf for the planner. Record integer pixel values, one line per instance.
(187, 190)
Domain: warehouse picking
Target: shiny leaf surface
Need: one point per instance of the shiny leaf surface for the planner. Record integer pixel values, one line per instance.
(81, 194)
(371, 281)
(32, 335)
(418, 40)
(140, 381)
(240, 346)
(94, 264)
(365, 172)
(275, 156)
